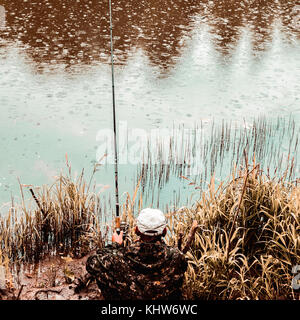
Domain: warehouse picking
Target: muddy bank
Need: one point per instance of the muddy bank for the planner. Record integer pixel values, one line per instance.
(54, 278)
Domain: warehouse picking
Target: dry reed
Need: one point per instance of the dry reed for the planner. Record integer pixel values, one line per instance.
(248, 240)
(65, 222)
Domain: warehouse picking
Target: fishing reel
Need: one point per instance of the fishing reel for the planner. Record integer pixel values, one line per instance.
(124, 227)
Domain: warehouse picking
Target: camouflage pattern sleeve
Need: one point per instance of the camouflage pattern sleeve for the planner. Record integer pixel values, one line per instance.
(105, 267)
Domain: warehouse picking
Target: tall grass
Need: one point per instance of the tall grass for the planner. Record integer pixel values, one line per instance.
(66, 221)
(245, 248)
(248, 240)
(215, 149)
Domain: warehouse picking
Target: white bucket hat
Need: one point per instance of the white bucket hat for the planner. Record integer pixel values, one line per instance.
(151, 222)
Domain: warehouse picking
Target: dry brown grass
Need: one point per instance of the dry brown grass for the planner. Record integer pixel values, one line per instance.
(66, 222)
(248, 240)
(245, 248)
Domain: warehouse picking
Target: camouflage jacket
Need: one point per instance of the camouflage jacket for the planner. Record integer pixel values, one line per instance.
(147, 271)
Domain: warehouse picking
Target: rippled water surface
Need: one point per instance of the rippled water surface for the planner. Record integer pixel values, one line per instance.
(176, 62)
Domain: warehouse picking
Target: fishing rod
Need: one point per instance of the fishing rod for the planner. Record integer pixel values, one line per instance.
(118, 219)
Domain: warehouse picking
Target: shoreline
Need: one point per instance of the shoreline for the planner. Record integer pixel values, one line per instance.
(249, 235)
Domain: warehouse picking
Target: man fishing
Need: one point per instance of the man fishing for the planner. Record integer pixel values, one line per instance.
(148, 269)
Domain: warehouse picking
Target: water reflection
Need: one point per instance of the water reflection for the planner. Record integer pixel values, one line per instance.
(229, 17)
(44, 116)
(2, 17)
(55, 31)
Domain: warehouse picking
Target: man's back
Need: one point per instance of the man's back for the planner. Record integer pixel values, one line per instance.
(145, 270)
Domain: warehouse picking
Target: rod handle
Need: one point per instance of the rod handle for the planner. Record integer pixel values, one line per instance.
(118, 225)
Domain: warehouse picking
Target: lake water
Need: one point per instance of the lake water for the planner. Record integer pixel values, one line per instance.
(191, 63)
